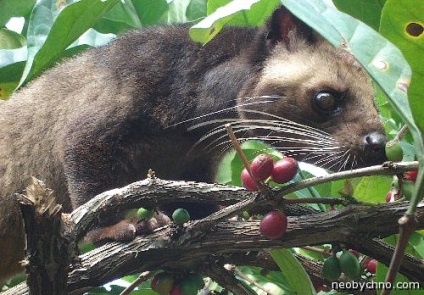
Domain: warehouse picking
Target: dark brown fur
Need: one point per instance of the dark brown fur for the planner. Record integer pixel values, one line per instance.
(102, 119)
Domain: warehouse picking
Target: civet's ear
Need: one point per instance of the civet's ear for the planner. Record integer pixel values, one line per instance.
(286, 28)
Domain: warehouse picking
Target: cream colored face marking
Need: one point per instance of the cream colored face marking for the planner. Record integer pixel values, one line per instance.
(287, 68)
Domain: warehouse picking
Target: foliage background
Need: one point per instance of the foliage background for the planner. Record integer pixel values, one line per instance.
(53, 30)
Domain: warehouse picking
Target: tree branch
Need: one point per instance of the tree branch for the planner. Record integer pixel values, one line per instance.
(218, 236)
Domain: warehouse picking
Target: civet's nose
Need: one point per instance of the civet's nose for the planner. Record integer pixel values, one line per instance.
(374, 147)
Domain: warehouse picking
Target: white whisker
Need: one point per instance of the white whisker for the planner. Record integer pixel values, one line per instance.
(301, 141)
(228, 109)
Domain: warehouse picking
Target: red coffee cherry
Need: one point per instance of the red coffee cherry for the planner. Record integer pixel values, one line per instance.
(247, 181)
(390, 197)
(411, 175)
(372, 266)
(262, 166)
(284, 170)
(273, 225)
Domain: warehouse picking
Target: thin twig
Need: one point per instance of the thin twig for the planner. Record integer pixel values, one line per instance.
(239, 273)
(141, 278)
(330, 201)
(401, 133)
(407, 226)
(388, 168)
(324, 252)
(261, 187)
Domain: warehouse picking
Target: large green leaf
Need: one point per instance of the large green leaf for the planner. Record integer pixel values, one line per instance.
(255, 16)
(6, 89)
(53, 29)
(368, 11)
(273, 282)
(120, 18)
(150, 12)
(417, 243)
(403, 25)
(13, 8)
(293, 271)
(91, 38)
(10, 56)
(373, 189)
(197, 9)
(182, 11)
(240, 12)
(10, 39)
(396, 20)
(12, 63)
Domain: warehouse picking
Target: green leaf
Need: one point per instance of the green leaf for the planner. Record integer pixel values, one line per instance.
(14, 8)
(6, 89)
(10, 39)
(293, 271)
(12, 63)
(9, 78)
(313, 254)
(411, 247)
(273, 281)
(196, 9)
(11, 56)
(52, 30)
(380, 277)
(417, 243)
(395, 21)
(368, 11)
(396, 26)
(120, 18)
(150, 12)
(373, 189)
(92, 38)
(206, 29)
(255, 16)
(181, 11)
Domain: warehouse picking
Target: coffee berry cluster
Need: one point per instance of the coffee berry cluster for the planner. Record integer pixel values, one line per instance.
(263, 168)
(349, 264)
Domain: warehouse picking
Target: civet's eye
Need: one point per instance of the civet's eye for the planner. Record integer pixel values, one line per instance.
(328, 103)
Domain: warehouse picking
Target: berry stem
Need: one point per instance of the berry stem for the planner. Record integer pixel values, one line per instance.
(144, 276)
(237, 147)
(330, 201)
(385, 169)
(324, 252)
(401, 133)
(262, 188)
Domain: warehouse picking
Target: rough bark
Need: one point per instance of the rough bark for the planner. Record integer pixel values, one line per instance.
(359, 226)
